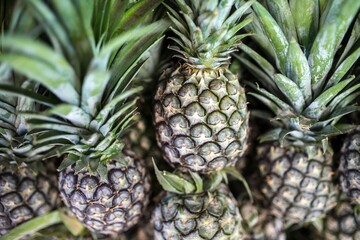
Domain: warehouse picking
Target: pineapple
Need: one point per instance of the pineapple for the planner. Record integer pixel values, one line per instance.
(86, 74)
(111, 204)
(27, 188)
(25, 194)
(195, 209)
(307, 87)
(298, 184)
(200, 111)
(342, 222)
(349, 168)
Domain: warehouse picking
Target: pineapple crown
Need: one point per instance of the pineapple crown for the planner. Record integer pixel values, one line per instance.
(86, 71)
(15, 142)
(308, 87)
(206, 31)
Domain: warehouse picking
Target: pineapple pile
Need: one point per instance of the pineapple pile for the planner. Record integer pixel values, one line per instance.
(143, 108)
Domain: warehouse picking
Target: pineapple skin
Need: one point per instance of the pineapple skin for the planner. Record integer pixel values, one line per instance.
(108, 206)
(198, 216)
(297, 186)
(201, 118)
(25, 194)
(342, 222)
(349, 167)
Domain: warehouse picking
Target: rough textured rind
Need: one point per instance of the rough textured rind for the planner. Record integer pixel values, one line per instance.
(25, 195)
(350, 166)
(198, 216)
(201, 118)
(107, 206)
(342, 222)
(298, 187)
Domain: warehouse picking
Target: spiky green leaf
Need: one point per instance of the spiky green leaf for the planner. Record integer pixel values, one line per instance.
(93, 88)
(343, 68)
(20, 92)
(72, 224)
(322, 56)
(41, 72)
(297, 69)
(305, 14)
(317, 107)
(274, 33)
(291, 91)
(72, 113)
(103, 115)
(136, 14)
(281, 12)
(198, 182)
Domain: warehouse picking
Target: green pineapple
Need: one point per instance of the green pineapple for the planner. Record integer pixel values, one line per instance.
(98, 46)
(196, 209)
(109, 204)
(342, 222)
(308, 89)
(298, 184)
(349, 168)
(200, 109)
(27, 188)
(25, 194)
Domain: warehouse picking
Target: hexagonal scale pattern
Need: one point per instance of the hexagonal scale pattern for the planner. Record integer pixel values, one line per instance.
(25, 194)
(198, 216)
(342, 222)
(349, 167)
(298, 188)
(108, 206)
(201, 118)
